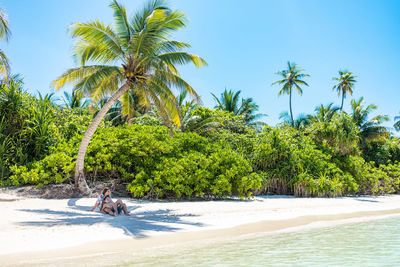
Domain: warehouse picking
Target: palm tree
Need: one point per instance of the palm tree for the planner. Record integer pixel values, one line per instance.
(397, 123)
(248, 109)
(345, 84)
(301, 121)
(230, 102)
(190, 122)
(75, 100)
(134, 54)
(292, 77)
(5, 34)
(369, 128)
(324, 113)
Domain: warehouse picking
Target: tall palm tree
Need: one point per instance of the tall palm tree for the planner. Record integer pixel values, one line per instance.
(345, 84)
(369, 128)
(5, 34)
(245, 107)
(292, 77)
(133, 54)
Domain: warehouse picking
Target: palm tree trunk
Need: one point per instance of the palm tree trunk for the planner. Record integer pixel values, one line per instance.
(290, 107)
(80, 181)
(341, 107)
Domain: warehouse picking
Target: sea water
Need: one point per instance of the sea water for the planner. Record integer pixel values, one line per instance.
(371, 243)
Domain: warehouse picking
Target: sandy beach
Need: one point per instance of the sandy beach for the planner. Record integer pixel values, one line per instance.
(44, 231)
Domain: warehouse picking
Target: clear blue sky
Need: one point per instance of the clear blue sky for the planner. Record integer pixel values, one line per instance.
(244, 42)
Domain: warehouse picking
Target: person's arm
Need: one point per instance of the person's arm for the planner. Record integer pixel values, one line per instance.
(95, 206)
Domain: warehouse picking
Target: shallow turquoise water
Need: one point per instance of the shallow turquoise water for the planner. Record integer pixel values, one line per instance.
(372, 243)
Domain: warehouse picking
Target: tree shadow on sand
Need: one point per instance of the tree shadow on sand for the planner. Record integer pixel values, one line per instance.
(162, 220)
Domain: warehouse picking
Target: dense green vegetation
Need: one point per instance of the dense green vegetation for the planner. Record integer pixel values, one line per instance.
(162, 145)
(330, 155)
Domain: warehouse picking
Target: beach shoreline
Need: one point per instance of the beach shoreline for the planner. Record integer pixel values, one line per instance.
(45, 231)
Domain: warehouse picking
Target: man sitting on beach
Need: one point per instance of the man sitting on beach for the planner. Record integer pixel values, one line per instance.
(107, 205)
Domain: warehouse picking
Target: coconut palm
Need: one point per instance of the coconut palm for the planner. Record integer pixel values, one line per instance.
(195, 123)
(324, 113)
(190, 122)
(133, 54)
(229, 101)
(292, 77)
(397, 123)
(369, 128)
(246, 107)
(301, 121)
(345, 84)
(5, 34)
(75, 100)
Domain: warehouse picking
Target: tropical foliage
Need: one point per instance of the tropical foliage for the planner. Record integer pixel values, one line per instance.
(244, 107)
(369, 128)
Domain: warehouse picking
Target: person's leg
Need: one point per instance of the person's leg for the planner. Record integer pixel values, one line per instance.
(115, 208)
(123, 206)
(107, 210)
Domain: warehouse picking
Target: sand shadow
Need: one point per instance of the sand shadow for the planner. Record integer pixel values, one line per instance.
(366, 200)
(162, 220)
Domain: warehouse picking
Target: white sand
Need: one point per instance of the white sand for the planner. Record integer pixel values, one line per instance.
(29, 225)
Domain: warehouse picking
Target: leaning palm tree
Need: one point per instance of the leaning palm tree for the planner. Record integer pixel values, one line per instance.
(292, 77)
(5, 34)
(345, 84)
(133, 54)
(369, 128)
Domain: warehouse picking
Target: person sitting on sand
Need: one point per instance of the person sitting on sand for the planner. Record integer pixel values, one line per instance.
(110, 206)
(107, 207)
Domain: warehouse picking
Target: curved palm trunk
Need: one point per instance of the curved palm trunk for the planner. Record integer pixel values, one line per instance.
(341, 107)
(290, 107)
(80, 181)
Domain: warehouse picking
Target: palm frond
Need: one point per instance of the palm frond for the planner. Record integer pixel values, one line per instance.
(96, 42)
(5, 32)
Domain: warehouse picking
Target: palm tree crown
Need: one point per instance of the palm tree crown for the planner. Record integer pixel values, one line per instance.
(397, 123)
(75, 100)
(324, 114)
(369, 128)
(5, 34)
(292, 77)
(134, 54)
(245, 107)
(346, 81)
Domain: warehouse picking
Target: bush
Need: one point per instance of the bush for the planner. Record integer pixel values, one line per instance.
(292, 164)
